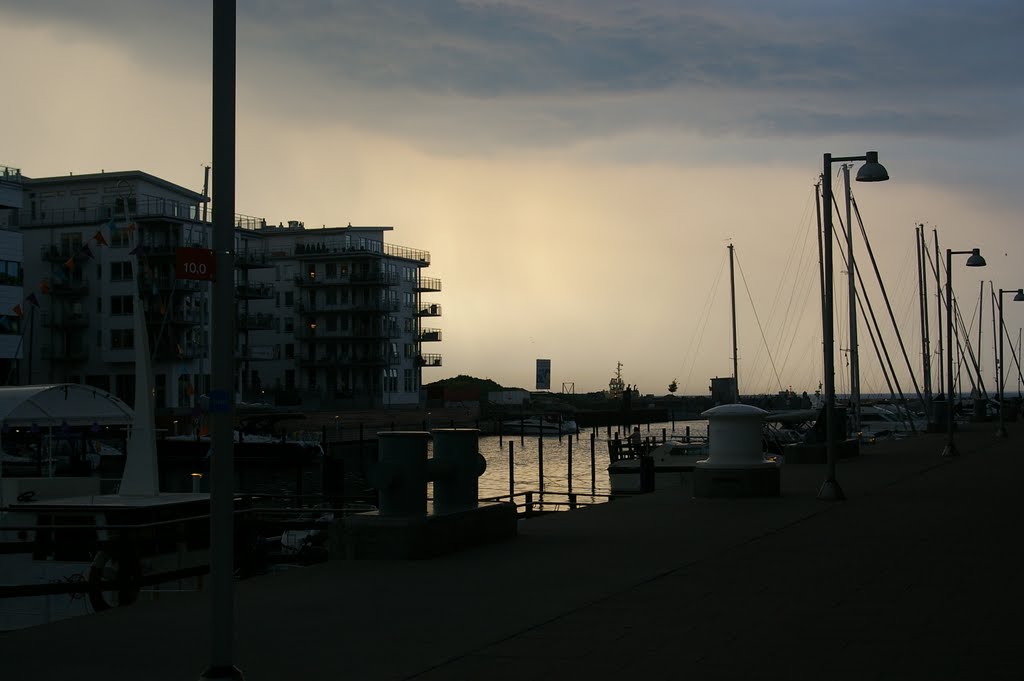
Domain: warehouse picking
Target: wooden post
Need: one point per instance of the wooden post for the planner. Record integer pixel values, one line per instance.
(529, 504)
(568, 472)
(664, 436)
(511, 473)
(572, 501)
(593, 464)
(540, 462)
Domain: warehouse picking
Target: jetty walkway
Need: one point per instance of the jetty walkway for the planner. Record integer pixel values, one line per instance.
(916, 576)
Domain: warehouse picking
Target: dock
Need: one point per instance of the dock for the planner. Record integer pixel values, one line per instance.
(915, 576)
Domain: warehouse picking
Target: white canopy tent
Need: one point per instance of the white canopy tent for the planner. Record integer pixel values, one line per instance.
(63, 403)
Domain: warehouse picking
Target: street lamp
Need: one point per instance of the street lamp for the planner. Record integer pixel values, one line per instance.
(871, 171)
(974, 261)
(1001, 431)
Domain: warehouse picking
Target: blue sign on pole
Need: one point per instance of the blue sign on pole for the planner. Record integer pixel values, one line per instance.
(543, 374)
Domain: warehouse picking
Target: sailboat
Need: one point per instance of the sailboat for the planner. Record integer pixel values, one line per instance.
(106, 547)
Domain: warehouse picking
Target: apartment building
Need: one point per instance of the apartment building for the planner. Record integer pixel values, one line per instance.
(327, 318)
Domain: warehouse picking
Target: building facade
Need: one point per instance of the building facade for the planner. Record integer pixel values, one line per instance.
(328, 318)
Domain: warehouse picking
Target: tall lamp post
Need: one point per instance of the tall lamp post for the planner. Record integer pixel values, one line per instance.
(871, 171)
(1018, 297)
(974, 261)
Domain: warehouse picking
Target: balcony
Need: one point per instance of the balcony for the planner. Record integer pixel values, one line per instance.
(340, 246)
(65, 320)
(179, 351)
(428, 360)
(254, 322)
(363, 279)
(69, 289)
(430, 335)
(357, 332)
(429, 310)
(253, 259)
(258, 353)
(62, 253)
(175, 317)
(428, 285)
(254, 291)
(73, 354)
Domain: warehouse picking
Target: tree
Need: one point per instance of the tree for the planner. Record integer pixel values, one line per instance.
(673, 386)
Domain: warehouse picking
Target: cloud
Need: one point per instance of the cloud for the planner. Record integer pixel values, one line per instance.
(533, 72)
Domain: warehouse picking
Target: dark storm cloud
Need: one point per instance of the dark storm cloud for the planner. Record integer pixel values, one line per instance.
(900, 67)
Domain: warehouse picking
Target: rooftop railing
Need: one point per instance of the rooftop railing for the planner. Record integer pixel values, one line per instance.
(9, 174)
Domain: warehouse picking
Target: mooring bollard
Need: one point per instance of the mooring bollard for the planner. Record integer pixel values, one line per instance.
(196, 479)
(529, 504)
(456, 468)
(664, 436)
(400, 475)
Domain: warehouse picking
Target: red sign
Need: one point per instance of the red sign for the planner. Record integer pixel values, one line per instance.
(194, 263)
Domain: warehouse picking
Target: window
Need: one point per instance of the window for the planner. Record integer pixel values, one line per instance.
(331, 270)
(121, 271)
(289, 298)
(289, 324)
(408, 381)
(330, 297)
(289, 351)
(289, 379)
(119, 238)
(121, 305)
(122, 339)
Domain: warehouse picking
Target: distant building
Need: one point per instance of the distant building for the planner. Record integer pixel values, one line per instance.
(12, 292)
(326, 318)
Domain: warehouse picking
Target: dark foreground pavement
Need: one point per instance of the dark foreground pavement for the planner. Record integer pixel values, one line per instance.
(915, 576)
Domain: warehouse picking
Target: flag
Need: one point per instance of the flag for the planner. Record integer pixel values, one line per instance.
(138, 250)
(44, 286)
(70, 264)
(98, 238)
(18, 312)
(130, 227)
(31, 298)
(87, 251)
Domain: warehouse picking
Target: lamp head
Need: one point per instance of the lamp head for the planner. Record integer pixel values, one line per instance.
(1020, 295)
(872, 170)
(976, 260)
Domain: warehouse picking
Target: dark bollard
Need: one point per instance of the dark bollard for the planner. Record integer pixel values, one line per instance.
(529, 504)
(687, 434)
(392, 426)
(540, 462)
(568, 472)
(664, 436)
(646, 473)
(572, 501)
(593, 464)
(609, 434)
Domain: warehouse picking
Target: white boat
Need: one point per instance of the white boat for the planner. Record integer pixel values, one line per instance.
(881, 421)
(549, 424)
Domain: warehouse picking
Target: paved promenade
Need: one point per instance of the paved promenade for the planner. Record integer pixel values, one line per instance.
(916, 576)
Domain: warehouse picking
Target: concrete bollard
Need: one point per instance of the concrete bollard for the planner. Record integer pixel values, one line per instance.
(736, 465)
(456, 468)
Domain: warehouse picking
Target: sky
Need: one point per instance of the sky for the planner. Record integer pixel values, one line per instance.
(577, 168)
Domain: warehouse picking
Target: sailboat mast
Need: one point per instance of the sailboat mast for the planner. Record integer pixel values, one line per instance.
(735, 351)
(925, 341)
(938, 307)
(851, 267)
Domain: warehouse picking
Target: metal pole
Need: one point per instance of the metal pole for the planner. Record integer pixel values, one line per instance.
(735, 351)
(938, 306)
(950, 449)
(925, 340)
(851, 276)
(222, 398)
(511, 473)
(830, 489)
(1001, 431)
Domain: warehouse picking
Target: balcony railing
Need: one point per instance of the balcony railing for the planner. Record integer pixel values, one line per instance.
(9, 174)
(254, 291)
(429, 310)
(371, 278)
(429, 360)
(65, 320)
(333, 247)
(253, 258)
(73, 354)
(428, 285)
(254, 322)
(69, 289)
(430, 335)
(258, 353)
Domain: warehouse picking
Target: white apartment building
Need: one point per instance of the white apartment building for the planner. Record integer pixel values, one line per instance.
(326, 318)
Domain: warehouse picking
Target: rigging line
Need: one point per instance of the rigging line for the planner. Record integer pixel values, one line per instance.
(885, 296)
(871, 308)
(803, 279)
(1013, 353)
(966, 344)
(751, 299)
(702, 323)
